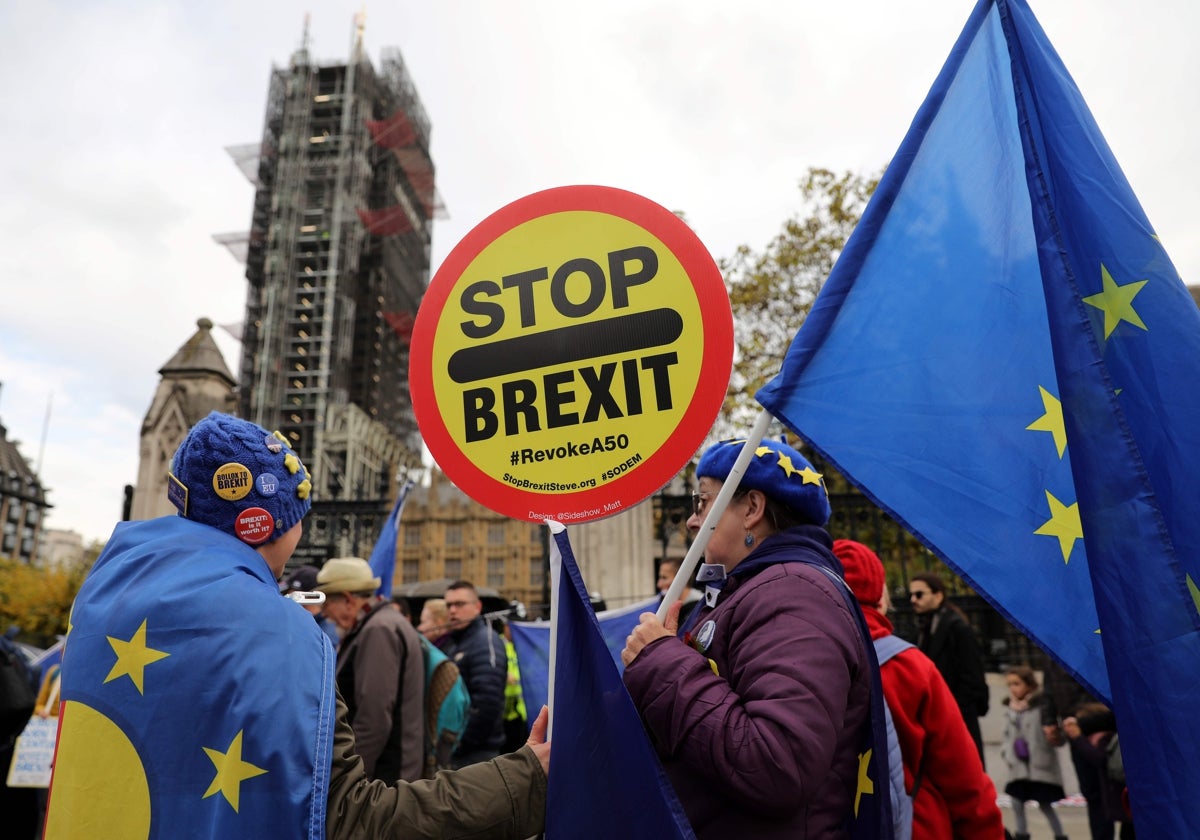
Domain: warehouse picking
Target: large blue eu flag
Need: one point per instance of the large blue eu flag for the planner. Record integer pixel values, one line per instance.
(605, 780)
(1006, 360)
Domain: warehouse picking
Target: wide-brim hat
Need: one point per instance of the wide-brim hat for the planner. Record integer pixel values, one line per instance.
(347, 574)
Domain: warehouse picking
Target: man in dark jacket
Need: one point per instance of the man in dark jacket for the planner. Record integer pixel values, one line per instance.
(479, 654)
(945, 637)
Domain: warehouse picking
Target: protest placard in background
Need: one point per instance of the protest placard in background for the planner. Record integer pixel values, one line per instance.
(33, 754)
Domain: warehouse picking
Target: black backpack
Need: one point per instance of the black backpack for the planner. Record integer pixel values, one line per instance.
(17, 693)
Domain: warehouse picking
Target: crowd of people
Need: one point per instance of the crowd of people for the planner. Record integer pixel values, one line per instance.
(322, 744)
(761, 696)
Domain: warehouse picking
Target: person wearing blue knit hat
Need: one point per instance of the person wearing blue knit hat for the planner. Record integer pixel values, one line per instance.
(761, 705)
(197, 702)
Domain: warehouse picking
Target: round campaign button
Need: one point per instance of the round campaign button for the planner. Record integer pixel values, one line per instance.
(267, 484)
(254, 525)
(232, 481)
(273, 443)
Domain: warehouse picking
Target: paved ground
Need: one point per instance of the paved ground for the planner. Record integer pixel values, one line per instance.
(1071, 812)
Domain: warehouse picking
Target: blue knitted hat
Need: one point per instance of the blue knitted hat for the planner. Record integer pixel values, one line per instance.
(779, 471)
(239, 478)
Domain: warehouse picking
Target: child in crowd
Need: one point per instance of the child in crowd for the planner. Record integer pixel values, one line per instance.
(1033, 770)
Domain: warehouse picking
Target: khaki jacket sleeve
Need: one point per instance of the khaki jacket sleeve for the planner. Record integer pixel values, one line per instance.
(504, 798)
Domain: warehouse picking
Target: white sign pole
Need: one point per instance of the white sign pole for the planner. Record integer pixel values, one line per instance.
(555, 578)
(716, 508)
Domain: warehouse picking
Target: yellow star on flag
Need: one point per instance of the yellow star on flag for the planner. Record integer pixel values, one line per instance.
(785, 463)
(763, 450)
(1063, 523)
(811, 476)
(1051, 421)
(1193, 590)
(865, 785)
(132, 657)
(1116, 302)
(231, 771)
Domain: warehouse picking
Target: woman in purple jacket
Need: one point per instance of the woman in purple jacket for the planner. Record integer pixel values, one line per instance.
(759, 710)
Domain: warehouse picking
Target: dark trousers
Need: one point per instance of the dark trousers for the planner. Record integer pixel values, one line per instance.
(516, 733)
(19, 809)
(1089, 785)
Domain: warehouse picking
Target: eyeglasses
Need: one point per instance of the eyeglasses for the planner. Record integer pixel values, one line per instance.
(917, 596)
(699, 502)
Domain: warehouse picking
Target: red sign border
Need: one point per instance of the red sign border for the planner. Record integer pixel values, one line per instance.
(652, 473)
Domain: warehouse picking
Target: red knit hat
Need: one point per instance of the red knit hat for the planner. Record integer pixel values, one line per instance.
(863, 570)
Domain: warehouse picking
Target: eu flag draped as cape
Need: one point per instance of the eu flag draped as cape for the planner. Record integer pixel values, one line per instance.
(532, 641)
(1005, 359)
(197, 702)
(605, 780)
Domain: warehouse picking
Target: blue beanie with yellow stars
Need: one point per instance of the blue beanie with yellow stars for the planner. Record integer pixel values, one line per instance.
(778, 470)
(239, 478)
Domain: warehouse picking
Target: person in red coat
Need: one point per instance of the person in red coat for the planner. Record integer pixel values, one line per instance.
(954, 797)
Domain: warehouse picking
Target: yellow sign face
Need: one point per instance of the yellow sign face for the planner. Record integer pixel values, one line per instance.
(579, 343)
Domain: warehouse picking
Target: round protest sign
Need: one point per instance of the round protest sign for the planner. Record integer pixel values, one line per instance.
(571, 354)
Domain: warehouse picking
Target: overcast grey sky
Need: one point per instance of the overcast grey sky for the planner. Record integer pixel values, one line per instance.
(114, 176)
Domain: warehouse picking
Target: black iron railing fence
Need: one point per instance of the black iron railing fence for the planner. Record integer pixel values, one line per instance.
(855, 517)
(1002, 644)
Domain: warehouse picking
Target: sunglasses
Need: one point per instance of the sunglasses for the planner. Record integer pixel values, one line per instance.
(917, 596)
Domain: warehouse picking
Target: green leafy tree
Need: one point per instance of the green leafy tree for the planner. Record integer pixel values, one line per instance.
(38, 599)
(772, 291)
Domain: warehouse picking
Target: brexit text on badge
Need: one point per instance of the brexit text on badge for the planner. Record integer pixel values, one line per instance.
(232, 481)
